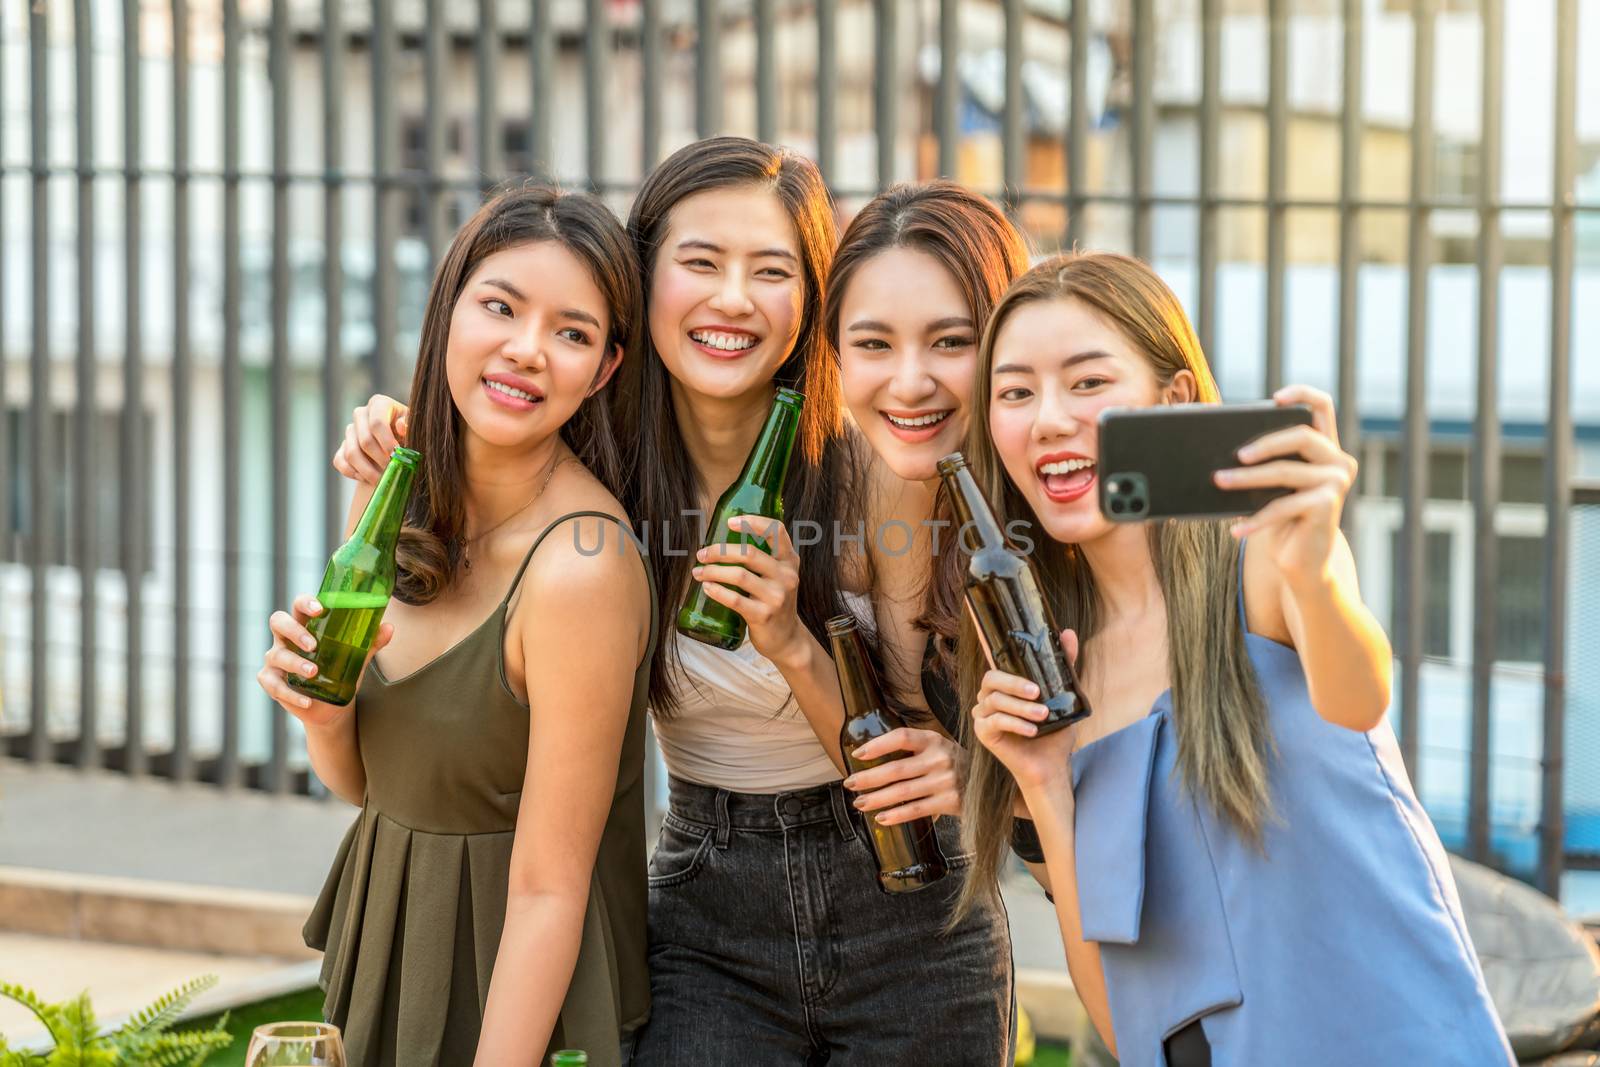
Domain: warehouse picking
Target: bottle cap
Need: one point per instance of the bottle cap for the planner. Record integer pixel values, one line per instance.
(955, 461)
(791, 396)
(409, 456)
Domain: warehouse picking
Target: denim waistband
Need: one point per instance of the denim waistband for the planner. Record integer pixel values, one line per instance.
(725, 810)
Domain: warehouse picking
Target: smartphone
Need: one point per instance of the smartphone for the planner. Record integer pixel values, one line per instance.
(1157, 463)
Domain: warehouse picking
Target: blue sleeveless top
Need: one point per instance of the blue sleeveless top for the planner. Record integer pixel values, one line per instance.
(1341, 943)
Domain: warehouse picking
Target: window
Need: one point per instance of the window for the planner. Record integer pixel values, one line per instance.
(1519, 625)
(1457, 168)
(1436, 594)
(108, 495)
(1450, 474)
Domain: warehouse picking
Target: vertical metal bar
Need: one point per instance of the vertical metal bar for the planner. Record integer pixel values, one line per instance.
(542, 56)
(650, 59)
(41, 421)
(885, 89)
(1351, 132)
(487, 51)
(277, 777)
(435, 53)
(1277, 185)
(232, 388)
(182, 372)
(133, 493)
(1078, 126)
(8, 544)
(827, 89)
(1012, 112)
(1558, 458)
(766, 73)
(333, 399)
(946, 116)
(383, 196)
(1141, 152)
(86, 468)
(1210, 157)
(1413, 560)
(708, 74)
(596, 55)
(1486, 430)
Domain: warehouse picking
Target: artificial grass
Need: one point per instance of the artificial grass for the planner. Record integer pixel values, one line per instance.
(304, 1006)
(1052, 1056)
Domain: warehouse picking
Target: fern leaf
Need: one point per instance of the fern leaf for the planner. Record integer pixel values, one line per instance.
(184, 1047)
(164, 1011)
(48, 1014)
(78, 1025)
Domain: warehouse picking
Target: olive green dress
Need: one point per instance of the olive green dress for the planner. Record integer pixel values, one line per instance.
(411, 915)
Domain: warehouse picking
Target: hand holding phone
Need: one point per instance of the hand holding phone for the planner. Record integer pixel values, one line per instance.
(1279, 464)
(1162, 462)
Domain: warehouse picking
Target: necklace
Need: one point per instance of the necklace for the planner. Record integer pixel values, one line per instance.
(466, 556)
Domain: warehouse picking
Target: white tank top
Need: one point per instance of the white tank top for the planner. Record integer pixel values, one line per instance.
(736, 727)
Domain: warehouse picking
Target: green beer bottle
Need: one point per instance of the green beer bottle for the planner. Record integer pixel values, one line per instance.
(569, 1057)
(356, 587)
(757, 491)
(909, 857)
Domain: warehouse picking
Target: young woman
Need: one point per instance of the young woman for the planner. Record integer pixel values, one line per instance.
(770, 941)
(1241, 870)
(490, 900)
(907, 368)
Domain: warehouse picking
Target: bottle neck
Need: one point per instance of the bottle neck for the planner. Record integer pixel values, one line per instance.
(973, 510)
(768, 465)
(386, 511)
(856, 680)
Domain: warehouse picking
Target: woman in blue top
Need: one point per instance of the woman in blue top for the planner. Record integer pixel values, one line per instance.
(1242, 872)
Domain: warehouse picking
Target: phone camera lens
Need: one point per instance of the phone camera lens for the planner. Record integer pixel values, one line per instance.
(1119, 506)
(1136, 505)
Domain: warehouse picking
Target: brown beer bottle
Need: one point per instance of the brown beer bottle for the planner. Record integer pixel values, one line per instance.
(908, 853)
(1012, 614)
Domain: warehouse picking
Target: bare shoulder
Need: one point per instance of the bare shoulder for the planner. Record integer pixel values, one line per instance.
(588, 562)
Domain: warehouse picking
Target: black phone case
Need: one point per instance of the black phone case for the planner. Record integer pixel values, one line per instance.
(1157, 463)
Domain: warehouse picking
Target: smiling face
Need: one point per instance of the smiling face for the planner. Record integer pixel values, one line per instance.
(726, 291)
(907, 363)
(527, 344)
(1057, 364)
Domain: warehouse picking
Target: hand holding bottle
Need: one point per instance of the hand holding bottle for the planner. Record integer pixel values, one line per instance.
(375, 430)
(926, 781)
(763, 588)
(291, 638)
(1006, 721)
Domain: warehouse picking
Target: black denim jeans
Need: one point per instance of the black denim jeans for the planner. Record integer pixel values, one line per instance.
(771, 943)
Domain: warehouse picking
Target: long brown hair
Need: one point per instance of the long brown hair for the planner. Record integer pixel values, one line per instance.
(1223, 739)
(976, 243)
(662, 488)
(430, 546)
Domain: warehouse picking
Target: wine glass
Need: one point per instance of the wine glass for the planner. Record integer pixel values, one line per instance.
(295, 1045)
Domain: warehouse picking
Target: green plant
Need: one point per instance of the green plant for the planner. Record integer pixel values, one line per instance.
(145, 1040)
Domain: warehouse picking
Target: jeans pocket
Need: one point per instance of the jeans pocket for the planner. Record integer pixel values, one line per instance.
(680, 852)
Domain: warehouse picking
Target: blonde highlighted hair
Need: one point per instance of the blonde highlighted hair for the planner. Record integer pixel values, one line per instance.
(1223, 739)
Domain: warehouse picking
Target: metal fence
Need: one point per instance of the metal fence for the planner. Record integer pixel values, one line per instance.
(628, 56)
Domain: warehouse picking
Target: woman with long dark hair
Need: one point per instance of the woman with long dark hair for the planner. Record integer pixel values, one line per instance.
(908, 368)
(1241, 870)
(489, 901)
